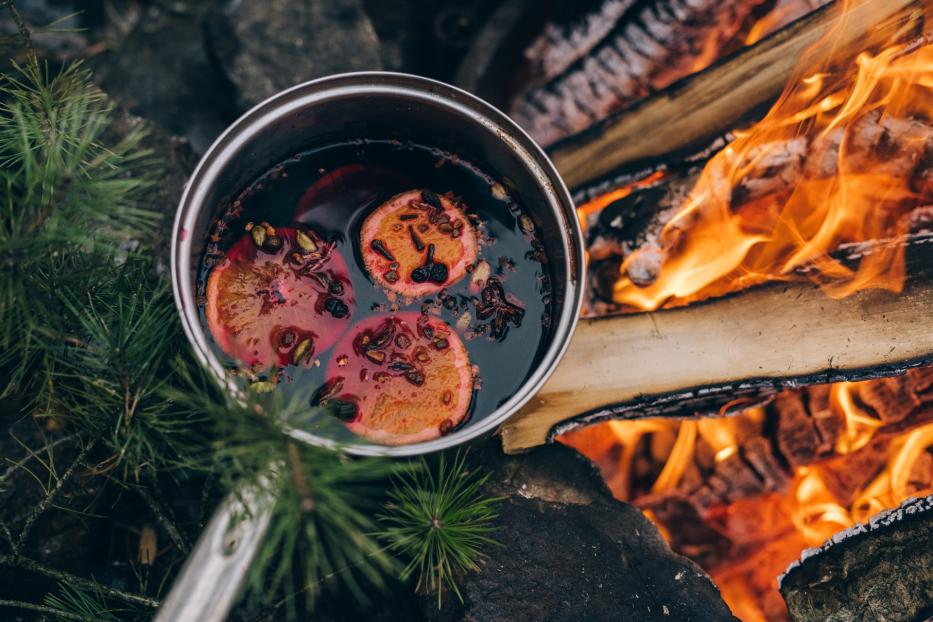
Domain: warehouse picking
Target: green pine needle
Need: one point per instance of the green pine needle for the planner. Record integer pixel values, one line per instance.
(324, 512)
(107, 374)
(66, 182)
(80, 603)
(325, 501)
(440, 520)
(68, 188)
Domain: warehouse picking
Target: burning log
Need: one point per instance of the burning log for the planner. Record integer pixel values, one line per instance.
(724, 354)
(639, 231)
(831, 430)
(882, 570)
(772, 205)
(744, 495)
(707, 104)
(704, 357)
(618, 55)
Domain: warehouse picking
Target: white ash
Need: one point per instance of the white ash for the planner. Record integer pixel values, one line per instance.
(908, 507)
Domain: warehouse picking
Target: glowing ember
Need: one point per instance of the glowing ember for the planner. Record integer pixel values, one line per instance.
(841, 158)
(721, 494)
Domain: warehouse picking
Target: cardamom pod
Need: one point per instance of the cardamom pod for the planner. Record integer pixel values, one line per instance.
(303, 348)
(259, 236)
(305, 241)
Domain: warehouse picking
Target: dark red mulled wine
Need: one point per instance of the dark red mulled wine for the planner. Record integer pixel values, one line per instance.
(395, 289)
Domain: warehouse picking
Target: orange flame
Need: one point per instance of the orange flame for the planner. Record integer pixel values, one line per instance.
(860, 426)
(811, 508)
(833, 162)
(784, 12)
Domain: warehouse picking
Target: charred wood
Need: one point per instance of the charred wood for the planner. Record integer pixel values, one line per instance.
(636, 226)
(882, 570)
(793, 434)
(703, 105)
(620, 54)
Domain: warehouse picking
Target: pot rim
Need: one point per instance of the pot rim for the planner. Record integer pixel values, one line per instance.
(454, 101)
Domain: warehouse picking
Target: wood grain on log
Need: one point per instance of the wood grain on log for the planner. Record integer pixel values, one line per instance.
(709, 103)
(778, 335)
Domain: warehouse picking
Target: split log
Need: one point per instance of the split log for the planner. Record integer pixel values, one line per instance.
(707, 104)
(618, 55)
(704, 357)
(882, 570)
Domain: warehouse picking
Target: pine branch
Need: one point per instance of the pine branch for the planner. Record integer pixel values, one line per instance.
(15, 466)
(30, 565)
(66, 191)
(83, 604)
(58, 613)
(50, 497)
(440, 520)
(161, 515)
(8, 535)
(21, 28)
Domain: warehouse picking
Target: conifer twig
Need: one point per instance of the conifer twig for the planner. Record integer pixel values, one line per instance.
(31, 565)
(43, 505)
(161, 516)
(9, 536)
(32, 454)
(20, 25)
(58, 613)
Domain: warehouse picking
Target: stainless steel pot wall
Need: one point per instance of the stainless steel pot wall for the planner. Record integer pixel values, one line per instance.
(377, 105)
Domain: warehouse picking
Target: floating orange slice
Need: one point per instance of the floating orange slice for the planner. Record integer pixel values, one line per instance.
(417, 243)
(408, 376)
(278, 297)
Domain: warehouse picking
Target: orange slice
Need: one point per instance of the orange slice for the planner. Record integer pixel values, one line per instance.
(417, 243)
(408, 376)
(278, 298)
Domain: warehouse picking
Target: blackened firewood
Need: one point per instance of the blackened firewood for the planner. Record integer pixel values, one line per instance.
(652, 45)
(797, 436)
(561, 45)
(636, 226)
(794, 434)
(706, 104)
(882, 570)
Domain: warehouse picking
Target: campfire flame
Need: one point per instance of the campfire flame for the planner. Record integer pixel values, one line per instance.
(841, 159)
(767, 530)
(834, 162)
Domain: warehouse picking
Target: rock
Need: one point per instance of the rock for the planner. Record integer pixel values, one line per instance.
(571, 552)
(67, 40)
(880, 571)
(161, 71)
(265, 47)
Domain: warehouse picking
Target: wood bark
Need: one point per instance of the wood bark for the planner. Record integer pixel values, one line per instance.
(707, 104)
(882, 570)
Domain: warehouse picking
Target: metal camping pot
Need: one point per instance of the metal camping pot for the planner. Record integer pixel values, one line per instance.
(374, 105)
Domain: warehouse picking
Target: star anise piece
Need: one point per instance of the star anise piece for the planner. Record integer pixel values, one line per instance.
(494, 304)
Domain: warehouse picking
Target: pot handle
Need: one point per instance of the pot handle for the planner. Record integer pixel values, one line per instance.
(208, 584)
